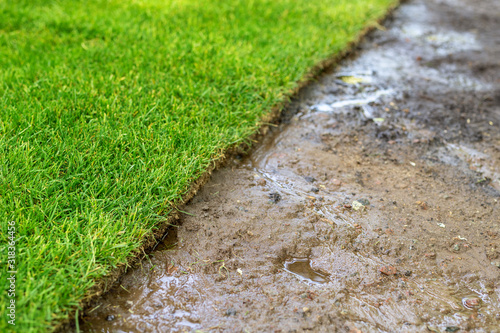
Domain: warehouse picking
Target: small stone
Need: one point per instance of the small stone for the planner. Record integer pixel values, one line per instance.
(231, 312)
(430, 255)
(451, 329)
(274, 197)
(336, 182)
(408, 273)
(388, 270)
(496, 263)
(356, 205)
(305, 309)
(261, 182)
(364, 202)
(110, 318)
(471, 302)
(309, 179)
(456, 247)
(422, 205)
(315, 190)
(205, 208)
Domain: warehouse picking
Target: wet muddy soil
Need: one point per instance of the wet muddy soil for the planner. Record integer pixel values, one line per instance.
(373, 207)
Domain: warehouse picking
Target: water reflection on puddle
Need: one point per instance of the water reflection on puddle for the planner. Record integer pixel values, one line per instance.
(301, 268)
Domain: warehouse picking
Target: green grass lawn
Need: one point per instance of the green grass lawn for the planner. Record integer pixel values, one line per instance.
(110, 109)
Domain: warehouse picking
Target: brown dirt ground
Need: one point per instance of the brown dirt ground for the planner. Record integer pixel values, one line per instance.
(373, 206)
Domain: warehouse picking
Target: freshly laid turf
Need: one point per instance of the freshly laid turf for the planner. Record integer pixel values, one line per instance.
(110, 109)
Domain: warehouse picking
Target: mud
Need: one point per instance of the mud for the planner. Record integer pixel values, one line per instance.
(374, 206)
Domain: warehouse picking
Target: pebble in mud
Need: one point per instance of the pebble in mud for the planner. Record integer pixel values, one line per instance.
(471, 302)
(309, 179)
(356, 205)
(261, 182)
(274, 197)
(364, 202)
(336, 182)
(388, 270)
(110, 318)
(231, 312)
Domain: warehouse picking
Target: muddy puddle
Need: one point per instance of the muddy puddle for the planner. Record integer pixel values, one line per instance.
(373, 207)
(301, 268)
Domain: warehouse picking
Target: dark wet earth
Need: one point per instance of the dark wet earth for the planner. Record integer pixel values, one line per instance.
(373, 207)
